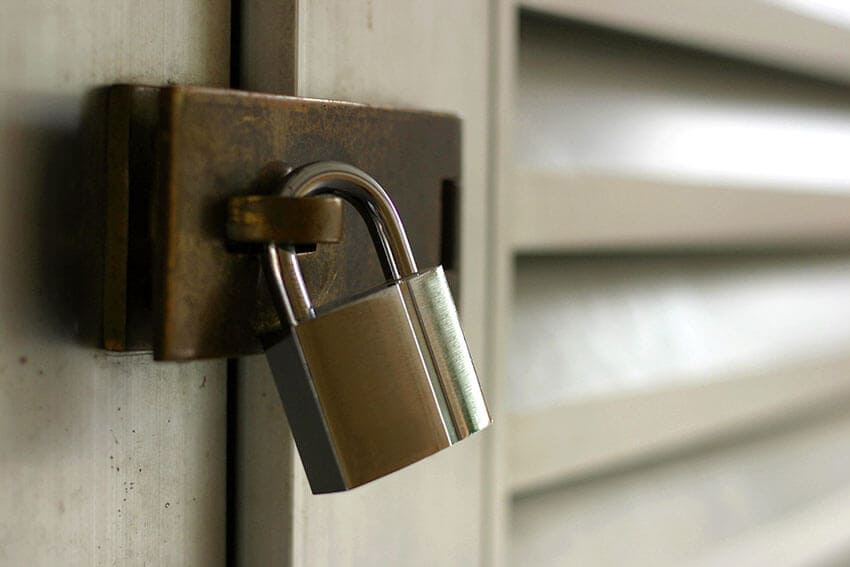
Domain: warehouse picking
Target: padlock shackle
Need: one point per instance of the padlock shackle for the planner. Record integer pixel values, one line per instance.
(374, 205)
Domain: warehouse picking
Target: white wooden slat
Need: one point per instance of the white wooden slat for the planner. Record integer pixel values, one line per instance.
(587, 437)
(816, 535)
(557, 212)
(591, 100)
(771, 31)
(582, 494)
(590, 326)
(749, 500)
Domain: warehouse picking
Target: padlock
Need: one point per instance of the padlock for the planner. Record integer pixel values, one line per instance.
(380, 381)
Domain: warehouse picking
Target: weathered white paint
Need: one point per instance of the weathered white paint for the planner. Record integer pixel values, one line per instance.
(104, 459)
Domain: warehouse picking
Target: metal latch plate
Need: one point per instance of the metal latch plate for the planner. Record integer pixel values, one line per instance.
(175, 155)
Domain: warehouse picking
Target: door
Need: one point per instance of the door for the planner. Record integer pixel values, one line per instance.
(104, 459)
(114, 459)
(424, 55)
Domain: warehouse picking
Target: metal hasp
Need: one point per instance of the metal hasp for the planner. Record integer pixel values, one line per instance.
(377, 381)
(175, 157)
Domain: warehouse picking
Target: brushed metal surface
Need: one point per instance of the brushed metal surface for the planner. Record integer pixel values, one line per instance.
(373, 386)
(377, 384)
(371, 201)
(438, 317)
(304, 413)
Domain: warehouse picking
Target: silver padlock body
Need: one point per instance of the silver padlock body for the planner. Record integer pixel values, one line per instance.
(450, 357)
(379, 383)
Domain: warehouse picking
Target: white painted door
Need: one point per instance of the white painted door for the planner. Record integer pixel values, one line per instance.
(423, 55)
(104, 459)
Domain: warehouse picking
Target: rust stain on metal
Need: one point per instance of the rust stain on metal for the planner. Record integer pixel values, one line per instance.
(267, 218)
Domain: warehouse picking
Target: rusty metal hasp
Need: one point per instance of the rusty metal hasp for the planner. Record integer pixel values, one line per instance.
(191, 177)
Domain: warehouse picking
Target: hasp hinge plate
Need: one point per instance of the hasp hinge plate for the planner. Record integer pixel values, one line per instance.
(175, 155)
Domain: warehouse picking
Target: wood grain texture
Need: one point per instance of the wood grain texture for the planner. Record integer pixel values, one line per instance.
(431, 56)
(105, 460)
